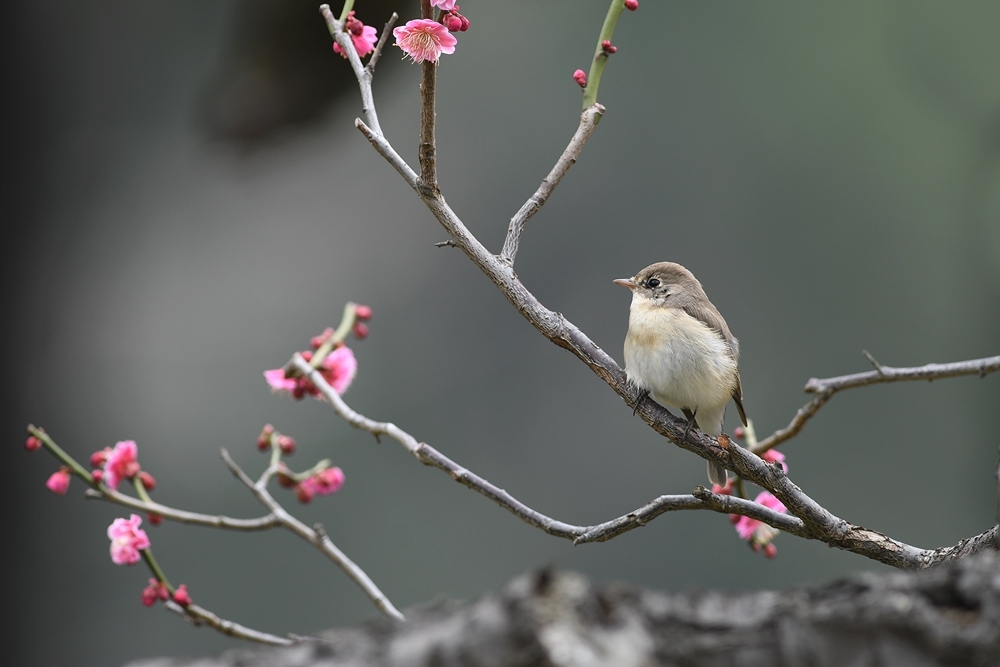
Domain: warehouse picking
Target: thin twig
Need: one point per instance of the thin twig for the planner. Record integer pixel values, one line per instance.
(321, 542)
(589, 119)
(826, 388)
(377, 53)
(199, 615)
(445, 244)
(427, 151)
(980, 367)
(183, 516)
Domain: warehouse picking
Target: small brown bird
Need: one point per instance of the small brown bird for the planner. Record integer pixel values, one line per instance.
(680, 351)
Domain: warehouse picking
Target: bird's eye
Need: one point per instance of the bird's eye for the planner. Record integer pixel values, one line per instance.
(653, 283)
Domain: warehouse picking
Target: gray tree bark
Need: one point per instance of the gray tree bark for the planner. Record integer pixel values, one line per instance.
(948, 615)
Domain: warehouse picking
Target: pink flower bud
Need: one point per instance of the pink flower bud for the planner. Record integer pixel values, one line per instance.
(97, 475)
(580, 77)
(307, 354)
(608, 47)
(98, 458)
(734, 519)
(155, 591)
(181, 595)
(738, 432)
(360, 330)
(264, 439)
(32, 443)
(148, 482)
(465, 23)
(58, 483)
(304, 493)
(363, 312)
(154, 518)
(354, 26)
(284, 479)
(286, 443)
(770, 550)
(631, 5)
(452, 23)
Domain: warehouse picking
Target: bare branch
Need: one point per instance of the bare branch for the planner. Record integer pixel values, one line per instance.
(824, 389)
(320, 541)
(200, 615)
(589, 119)
(980, 367)
(427, 151)
(377, 53)
(182, 516)
(819, 523)
(806, 519)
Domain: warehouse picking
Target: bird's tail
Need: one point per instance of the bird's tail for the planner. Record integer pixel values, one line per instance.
(717, 473)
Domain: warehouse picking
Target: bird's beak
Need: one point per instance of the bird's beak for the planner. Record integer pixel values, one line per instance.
(625, 282)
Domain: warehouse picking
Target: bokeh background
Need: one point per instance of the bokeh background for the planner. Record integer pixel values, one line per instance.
(186, 202)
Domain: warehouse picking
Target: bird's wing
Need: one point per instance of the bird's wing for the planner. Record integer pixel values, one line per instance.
(711, 317)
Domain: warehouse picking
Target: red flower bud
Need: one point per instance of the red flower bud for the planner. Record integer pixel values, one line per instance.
(286, 443)
(264, 439)
(307, 354)
(770, 550)
(131, 469)
(285, 481)
(738, 432)
(452, 23)
(97, 475)
(580, 77)
(32, 443)
(363, 312)
(181, 595)
(608, 47)
(147, 480)
(154, 518)
(734, 519)
(631, 5)
(303, 493)
(98, 458)
(360, 330)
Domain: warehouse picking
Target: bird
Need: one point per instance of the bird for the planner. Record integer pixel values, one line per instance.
(680, 352)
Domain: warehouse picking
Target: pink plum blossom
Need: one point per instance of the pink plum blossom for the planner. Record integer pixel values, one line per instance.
(363, 43)
(757, 533)
(326, 481)
(774, 456)
(338, 369)
(580, 77)
(58, 483)
(446, 5)
(423, 39)
(322, 483)
(127, 540)
(121, 463)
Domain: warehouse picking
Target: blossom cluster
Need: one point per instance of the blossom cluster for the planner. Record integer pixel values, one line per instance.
(758, 534)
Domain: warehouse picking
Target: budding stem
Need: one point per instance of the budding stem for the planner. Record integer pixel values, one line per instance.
(600, 55)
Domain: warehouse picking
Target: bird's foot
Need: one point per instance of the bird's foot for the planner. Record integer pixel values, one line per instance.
(643, 393)
(690, 417)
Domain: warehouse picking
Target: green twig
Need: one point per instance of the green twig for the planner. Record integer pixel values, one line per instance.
(600, 56)
(58, 452)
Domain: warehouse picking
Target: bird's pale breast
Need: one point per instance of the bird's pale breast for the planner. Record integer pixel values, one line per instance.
(678, 359)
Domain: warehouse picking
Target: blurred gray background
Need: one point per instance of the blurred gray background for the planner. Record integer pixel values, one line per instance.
(181, 212)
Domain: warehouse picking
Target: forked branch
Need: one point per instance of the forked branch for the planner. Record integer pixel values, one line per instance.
(826, 388)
